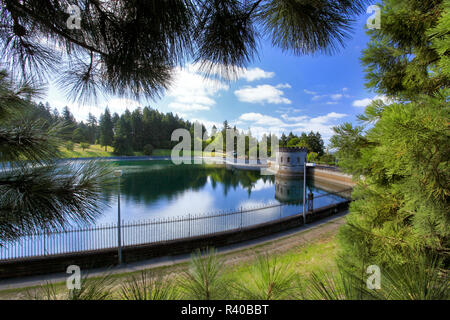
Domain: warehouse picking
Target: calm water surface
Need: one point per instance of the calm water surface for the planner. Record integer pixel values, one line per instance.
(160, 189)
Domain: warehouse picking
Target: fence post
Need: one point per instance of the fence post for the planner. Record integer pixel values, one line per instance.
(241, 218)
(310, 202)
(189, 227)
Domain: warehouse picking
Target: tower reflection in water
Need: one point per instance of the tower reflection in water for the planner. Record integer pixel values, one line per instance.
(289, 190)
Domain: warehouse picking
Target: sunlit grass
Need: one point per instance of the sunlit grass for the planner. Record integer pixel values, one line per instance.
(168, 153)
(94, 151)
(303, 260)
(318, 254)
(97, 151)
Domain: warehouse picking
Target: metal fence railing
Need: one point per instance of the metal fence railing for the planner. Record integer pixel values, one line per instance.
(327, 167)
(103, 237)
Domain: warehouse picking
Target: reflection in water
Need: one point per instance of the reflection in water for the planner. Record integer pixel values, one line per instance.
(148, 182)
(160, 189)
(289, 190)
(165, 192)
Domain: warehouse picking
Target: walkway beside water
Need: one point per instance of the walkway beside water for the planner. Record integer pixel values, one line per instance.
(172, 260)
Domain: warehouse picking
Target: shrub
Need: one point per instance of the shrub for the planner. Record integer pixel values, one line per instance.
(328, 159)
(94, 289)
(85, 145)
(148, 150)
(270, 279)
(148, 286)
(205, 280)
(70, 145)
(313, 157)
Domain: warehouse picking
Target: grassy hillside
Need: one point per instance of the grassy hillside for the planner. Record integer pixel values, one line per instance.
(92, 152)
(168, 153)
(95, 151)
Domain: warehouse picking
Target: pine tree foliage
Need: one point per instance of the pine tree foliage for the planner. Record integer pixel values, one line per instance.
(269, 280)
(400, 155)
(400, 62)
(132, 47)
(205, 280)
(36, 193)
(402, 203)
(440, 37)
(421, 277)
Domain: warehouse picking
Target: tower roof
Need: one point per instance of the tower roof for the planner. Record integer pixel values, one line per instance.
(293, 149)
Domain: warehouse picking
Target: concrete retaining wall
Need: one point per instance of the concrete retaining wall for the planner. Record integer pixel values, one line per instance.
(332, 176)
(106, 258)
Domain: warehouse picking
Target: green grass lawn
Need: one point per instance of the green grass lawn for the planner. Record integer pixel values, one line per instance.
(97, 151)
(317, 256)
(168, 153)
(94, 151)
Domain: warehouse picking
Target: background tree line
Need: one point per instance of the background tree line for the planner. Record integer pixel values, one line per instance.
(143, 130)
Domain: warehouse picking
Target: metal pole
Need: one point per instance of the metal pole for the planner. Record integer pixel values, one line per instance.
(241, 218)
(304, 192)
(118, 174)
(119, 234)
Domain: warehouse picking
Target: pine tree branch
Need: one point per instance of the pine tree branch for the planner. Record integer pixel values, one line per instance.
(44, 22)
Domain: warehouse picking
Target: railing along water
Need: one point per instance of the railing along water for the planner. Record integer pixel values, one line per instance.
(135, 233)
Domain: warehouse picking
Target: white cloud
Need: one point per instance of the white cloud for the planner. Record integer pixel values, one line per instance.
(205, 100)
(81, 112)
(260, 119)
(362, 103)
(329, 117)
(317, 97)
(119, 105)
(283, 110)
(284, 86)
(334, 97)
(188, 107)
(263, 94)
(365, 102)
(192, 92)
(294, 119)
(260, 124)
(310, 92)
(230, 73)
(254, 74)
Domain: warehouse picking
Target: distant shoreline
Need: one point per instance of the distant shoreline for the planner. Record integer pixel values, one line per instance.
(113, 158)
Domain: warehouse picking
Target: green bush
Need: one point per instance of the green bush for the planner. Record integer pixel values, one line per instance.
(328, 159)
(70, 145)
(84, 145)
(148, 150)
(78, 136)
(313, 157)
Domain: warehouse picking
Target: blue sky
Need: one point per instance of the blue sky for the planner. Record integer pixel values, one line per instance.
(278, 92)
